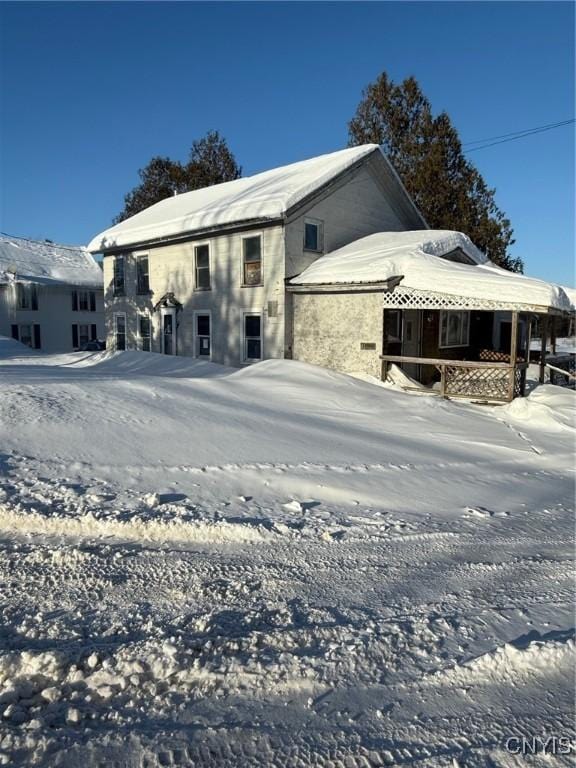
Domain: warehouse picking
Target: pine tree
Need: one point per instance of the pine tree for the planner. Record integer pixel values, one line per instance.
(210, 162)
(426, 152)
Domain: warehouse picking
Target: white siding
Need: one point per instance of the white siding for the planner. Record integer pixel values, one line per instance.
(171, 269)
(54, 315)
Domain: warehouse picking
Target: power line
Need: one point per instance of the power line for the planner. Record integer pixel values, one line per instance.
(517, 133)
(506, 137)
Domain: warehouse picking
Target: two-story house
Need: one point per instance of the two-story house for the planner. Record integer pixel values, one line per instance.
(51, 296)
(204, 273)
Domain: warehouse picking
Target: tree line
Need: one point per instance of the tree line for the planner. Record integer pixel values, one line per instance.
(425, 150)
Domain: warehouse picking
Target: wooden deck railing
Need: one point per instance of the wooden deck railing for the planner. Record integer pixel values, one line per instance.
(471, 379)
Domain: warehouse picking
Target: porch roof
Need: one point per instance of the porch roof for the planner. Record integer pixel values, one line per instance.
(415, 270)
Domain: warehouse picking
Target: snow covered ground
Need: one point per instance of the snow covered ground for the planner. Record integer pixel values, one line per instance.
(278, 566)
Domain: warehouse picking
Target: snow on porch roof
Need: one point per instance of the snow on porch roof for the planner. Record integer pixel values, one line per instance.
(265, 196)
(38, 261)
(417, 257)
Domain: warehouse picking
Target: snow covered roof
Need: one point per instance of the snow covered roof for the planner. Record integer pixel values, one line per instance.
(39, 261)
(418, 258)
(265, 196)
(571, 293)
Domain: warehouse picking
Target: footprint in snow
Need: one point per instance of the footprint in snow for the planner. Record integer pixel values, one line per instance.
(482, 512)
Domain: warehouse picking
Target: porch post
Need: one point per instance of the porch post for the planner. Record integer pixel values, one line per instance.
(553, 335)
(543, 340)
(513, 352)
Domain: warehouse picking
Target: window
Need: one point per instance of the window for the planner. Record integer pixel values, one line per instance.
(202, 259)
(144, 332)
(27, 334)
(27, 296)
(120, 332)
(454, 329)
(252, 337)
(252, 260)
(82, 333)
(202, 329)
(313, 235)
(142, 274)
(83, 301)
(118, 276)
(393, 325)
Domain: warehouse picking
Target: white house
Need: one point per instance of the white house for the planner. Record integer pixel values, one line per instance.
(51, 296)
(204, 273)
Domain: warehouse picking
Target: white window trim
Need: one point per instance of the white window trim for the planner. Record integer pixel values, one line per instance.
(198, 245)
(195, 334)
(138, 336)
(244, 360)
(248, 237)
(320, 224)
(460, 344)
(116, 316)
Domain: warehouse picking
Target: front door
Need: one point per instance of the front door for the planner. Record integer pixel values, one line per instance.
(411, 340)
(169, 332)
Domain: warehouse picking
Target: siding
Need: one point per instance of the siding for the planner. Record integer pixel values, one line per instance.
(329, 329)
(54, 315)
(171, 269)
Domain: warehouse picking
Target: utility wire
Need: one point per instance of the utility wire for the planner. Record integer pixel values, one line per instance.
(504, 138)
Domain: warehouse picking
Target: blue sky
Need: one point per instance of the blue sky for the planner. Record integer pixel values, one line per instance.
(91, 91)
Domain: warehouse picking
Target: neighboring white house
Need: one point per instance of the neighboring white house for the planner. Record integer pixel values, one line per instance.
(204, 273)
(51, 296)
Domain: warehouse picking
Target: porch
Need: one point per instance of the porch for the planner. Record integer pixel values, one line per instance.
(459, 347)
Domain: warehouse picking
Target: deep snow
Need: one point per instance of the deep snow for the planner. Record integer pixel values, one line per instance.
(279, 565)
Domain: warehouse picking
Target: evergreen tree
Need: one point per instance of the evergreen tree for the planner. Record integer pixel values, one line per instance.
(426, 151)
(210, 162)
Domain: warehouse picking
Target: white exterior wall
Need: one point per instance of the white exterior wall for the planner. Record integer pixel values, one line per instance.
(54, 315)
(171, 269)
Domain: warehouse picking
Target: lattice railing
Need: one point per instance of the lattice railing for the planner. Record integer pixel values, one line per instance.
(408, 298)
(484, 383)
(496, 381)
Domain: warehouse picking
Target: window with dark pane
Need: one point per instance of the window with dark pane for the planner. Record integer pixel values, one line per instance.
(252, 337)
(203, 335)
(313, 236)
(26, 296)
(144, 331)
(252, 260)
(142, 276)
(202, 253)
(120, 332)
(118, 275)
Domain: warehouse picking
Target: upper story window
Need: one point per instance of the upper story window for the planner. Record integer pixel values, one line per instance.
(313, 235)
(26, 296)
(252, 260)
(202, 266)
(83, 301)
(142, 274)
(454, 329)
(119, 276)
